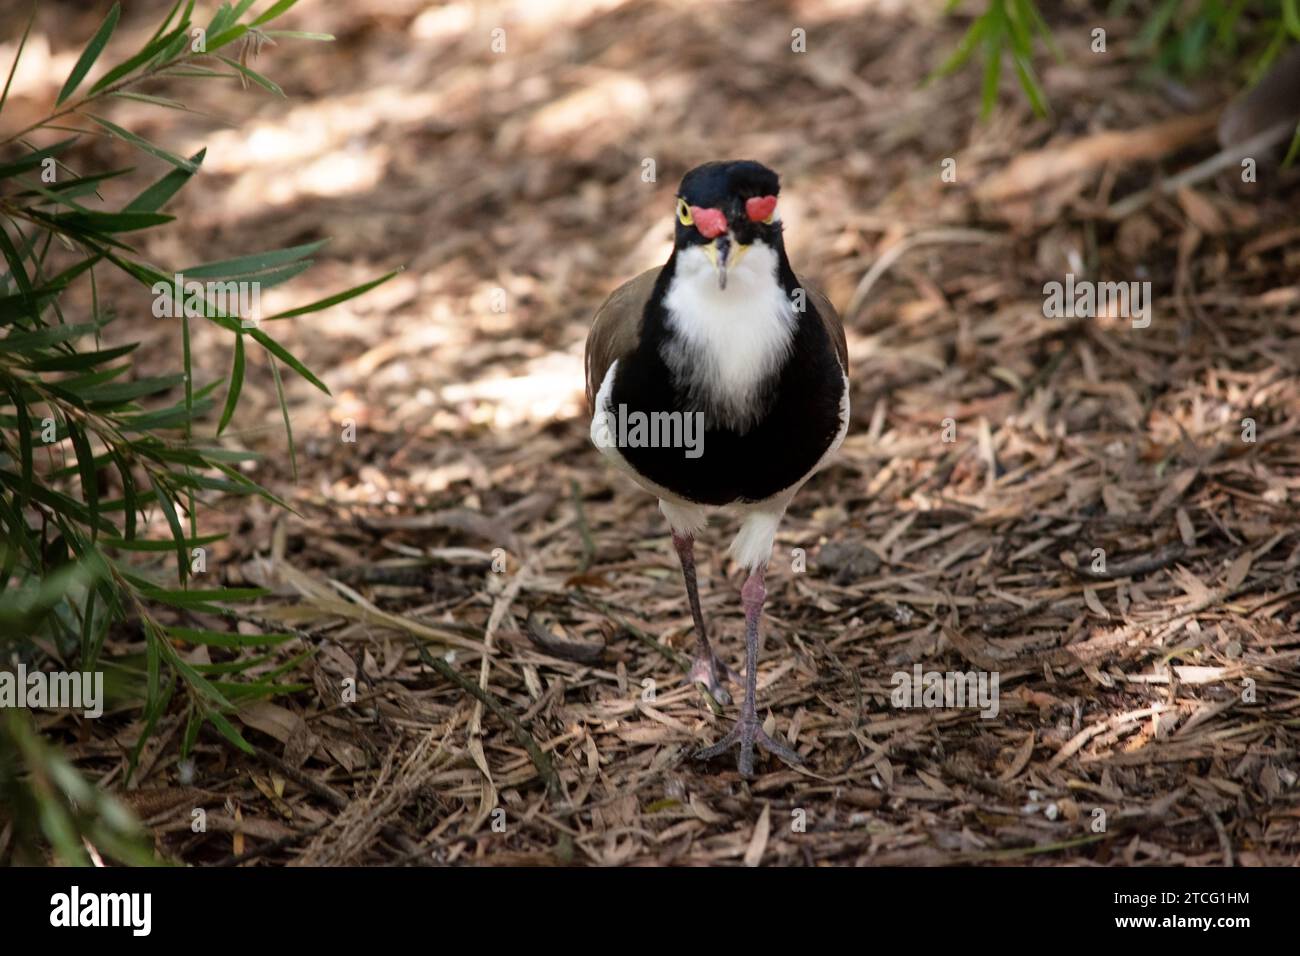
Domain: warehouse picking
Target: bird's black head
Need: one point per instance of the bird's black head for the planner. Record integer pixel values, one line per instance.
(725, 208)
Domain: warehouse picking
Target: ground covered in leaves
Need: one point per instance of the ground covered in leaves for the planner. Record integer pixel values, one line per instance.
(1073, 504)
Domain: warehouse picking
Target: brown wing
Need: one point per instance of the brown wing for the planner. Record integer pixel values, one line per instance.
(617, 329)
(834, 326)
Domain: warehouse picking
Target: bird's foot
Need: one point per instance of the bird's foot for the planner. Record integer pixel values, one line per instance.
(748, 732)
(712, 672)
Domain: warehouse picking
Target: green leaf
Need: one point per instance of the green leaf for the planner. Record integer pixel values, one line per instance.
(227, 730)
(130, 504)
(334, 299)
(177, 48)
(120, 392)
(288, 425)
(174, 417)
(9, 304)
(90, 54)
(58, 199)
(102, 222)
(153, 545)
(223, 17)
(145, 55)
(253, 75)
(992, 73)
(247, 265)
(193, 635)
(299, 35)
(194, 71)
(77, 186)
(1293, 150)
(192, 727)
(86, 465)
(285, 356)
(154, 706)
(253, 487)
(274, 277)
(154, 101)
(276, 9)
(225, 38)
(77, 361)
(19, 273)
(214, 455)
(156, 195)
(89, 653)
(1029, 9)
(145, 145)
(195, 482)
(35, 158)
(168, 21)
(153, 663)
(25, 448)
(59, 502)
(27, 341)
(200, 596)
(173, 522)
(31, 18)
(1029, 84)
(1019, 26)
(187, 360)
(1291, 17)
(88, 239)
(237, 666)
(236, 384)
(965, 48)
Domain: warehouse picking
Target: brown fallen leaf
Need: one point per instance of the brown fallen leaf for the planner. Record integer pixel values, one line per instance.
(758, 842)
(1064, 169)
(1020, 761)
(1204, 215)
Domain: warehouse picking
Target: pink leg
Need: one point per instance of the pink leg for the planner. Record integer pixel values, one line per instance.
(706, 669)
(747, 732)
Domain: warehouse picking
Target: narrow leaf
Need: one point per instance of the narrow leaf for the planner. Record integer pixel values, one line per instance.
(144, 144)
(236, 383)
(14, 66)
(334, 299)
(156, 195)
(90, 54)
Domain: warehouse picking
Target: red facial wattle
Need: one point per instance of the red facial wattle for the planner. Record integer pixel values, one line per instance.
(760, 208)
(710, 222)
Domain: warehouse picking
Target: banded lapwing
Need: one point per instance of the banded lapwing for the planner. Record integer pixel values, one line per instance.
(723, 352)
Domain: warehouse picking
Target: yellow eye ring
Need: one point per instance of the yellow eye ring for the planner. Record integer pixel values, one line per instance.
(684, 213)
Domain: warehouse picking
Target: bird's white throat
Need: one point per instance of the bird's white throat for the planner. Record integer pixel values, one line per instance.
(727, 343)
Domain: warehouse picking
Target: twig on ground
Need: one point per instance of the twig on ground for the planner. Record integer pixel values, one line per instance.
(535, 753)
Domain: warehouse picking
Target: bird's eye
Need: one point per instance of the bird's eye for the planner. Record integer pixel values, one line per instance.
(684, 213)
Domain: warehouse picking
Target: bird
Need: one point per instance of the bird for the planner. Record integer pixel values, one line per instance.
(743, 368)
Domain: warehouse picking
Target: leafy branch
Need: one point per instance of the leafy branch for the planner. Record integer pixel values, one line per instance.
(89, 449)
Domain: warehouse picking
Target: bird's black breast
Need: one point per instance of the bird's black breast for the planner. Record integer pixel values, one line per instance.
(800, 421)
